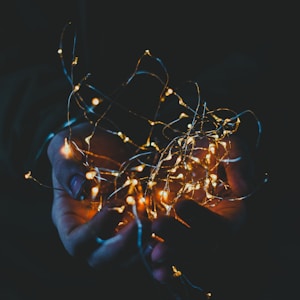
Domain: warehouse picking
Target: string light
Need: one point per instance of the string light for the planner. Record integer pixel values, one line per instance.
(183, 163)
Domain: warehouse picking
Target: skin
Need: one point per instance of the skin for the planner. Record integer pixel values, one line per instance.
(182, 241)
(78, 225)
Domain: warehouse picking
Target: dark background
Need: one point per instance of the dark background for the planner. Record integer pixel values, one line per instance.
(245, 56)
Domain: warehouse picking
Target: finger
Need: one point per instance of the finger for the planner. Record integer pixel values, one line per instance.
(161, 262)
(80, 231)
(123, 248)
(181, 247)
(170, 230)
(67, 168)
(79, 226)
(72, 158)
(239, 167)
(205, 223)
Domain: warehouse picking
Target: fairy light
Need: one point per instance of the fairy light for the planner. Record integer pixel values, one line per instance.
(90, 174)
(161, 172)
(94, 192)
(96, 101)
(66, 150)
(28, 175)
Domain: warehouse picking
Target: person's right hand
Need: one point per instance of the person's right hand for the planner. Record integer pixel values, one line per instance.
(193, 245)
(87, 233)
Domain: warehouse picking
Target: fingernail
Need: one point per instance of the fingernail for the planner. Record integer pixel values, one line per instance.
(77, 186)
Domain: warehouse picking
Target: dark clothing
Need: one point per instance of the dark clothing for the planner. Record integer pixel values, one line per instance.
(240, 61)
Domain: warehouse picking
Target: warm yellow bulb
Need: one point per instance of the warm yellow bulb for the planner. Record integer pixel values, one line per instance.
(96, 101)
(66, 149)
(90, 174)
(94, 191)
(130, 200)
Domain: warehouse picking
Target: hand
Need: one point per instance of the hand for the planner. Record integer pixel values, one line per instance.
(85, 232)
(190, 240)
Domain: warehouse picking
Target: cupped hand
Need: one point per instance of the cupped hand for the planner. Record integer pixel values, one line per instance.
(85, 231)
(189, 241)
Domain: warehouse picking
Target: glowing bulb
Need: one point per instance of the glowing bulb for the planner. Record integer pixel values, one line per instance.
(195, 159)
(142, 200)
(94, 191)
(130, 200)
(90, 174)
(168, 92)
(150, 184)
(88, 139)
(181, 102)
(169, 156)
(212, 148)
(135, 182)
(207, 156)
(184, 115)
(214, 177)
(163, 195)
(66, 149)
(176, 272)
(153, 144)
(28, 175)
(139, 168)
(190, 140)
(75, 61)
(119, 209)
(96, 101)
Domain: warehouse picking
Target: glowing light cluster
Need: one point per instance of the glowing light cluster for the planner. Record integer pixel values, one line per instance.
(185, 165)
